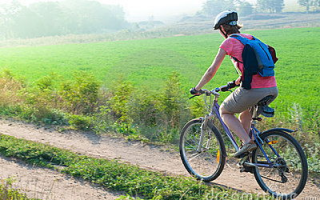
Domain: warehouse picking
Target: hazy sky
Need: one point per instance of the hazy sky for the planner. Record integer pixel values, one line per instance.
(137, 10)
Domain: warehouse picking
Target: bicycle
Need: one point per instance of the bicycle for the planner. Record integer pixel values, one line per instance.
(279, 164)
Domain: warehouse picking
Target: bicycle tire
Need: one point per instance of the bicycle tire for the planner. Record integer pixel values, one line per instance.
(292, 159)
(213, 158)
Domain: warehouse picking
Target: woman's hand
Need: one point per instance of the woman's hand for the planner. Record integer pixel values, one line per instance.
(195, 92)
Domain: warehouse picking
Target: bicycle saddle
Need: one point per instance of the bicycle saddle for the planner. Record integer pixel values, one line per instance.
(263, 108)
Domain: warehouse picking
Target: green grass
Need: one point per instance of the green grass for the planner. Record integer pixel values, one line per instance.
(112, 174)
(149, 62)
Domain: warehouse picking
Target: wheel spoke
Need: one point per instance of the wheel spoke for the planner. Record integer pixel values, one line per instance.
(194, 156)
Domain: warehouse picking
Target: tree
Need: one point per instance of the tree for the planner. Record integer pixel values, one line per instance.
(84, 16)
(272, 6)
(317, 4)
(310, 3)
(306, 3)
(49, 18)
(214, 7)
(59, 18)
(245, 8)
(8, 15)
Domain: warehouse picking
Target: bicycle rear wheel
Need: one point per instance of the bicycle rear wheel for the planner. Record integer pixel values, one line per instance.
(205, 160)
(287, 178)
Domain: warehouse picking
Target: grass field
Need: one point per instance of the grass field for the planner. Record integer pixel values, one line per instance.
(149, 62)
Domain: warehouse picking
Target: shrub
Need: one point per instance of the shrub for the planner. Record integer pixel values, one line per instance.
(197, 108)
(144, 108)
(80, 122)
(118, 102)
(173, 102)
(80, 96)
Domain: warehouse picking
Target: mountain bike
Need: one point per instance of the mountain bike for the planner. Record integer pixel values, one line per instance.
(279, 164)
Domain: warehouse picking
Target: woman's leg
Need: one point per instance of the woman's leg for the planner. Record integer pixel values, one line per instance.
(234, 124)
(245, 119)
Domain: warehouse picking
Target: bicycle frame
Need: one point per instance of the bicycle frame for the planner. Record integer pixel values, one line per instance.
(255, 132)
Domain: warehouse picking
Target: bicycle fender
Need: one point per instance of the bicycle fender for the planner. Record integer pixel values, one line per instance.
(280, 129)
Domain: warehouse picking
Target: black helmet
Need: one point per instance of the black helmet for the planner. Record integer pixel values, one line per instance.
(226, 17)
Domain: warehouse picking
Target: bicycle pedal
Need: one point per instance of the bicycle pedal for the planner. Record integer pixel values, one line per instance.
(246, 169)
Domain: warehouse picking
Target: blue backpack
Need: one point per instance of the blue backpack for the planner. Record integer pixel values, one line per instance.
(257, 59)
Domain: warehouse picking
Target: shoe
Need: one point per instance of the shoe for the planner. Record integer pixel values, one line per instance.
(246, 147)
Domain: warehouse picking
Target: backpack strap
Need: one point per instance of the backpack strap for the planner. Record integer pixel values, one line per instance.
(243, 40)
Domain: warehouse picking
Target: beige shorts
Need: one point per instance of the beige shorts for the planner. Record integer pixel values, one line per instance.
(242, 99)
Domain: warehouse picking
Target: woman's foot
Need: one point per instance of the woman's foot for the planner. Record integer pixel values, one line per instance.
(246, 148)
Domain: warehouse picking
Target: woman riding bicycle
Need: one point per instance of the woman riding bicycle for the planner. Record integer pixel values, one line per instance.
(241, 100)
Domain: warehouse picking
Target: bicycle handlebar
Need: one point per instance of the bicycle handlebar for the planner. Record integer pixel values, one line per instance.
(216, 91)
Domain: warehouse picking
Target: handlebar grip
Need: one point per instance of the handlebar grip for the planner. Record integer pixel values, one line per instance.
(229, 86)
(224, 88)
(232, 84)
(195, 92)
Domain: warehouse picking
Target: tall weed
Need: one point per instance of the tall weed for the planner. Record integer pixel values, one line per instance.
(7, 191)
(9, 88)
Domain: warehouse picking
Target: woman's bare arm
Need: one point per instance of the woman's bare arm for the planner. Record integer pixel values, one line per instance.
(211, 71)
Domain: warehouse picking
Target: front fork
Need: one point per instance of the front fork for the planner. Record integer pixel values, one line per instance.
(203, 128)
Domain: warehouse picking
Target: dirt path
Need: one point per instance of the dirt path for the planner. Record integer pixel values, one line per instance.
(47, 184)
(145, 156)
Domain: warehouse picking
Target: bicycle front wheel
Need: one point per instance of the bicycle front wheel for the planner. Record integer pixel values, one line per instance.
(287, 176)
(203, 156)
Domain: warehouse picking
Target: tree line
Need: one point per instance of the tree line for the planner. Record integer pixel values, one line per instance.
(88, 16)
(59, 18)
(213, 7)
